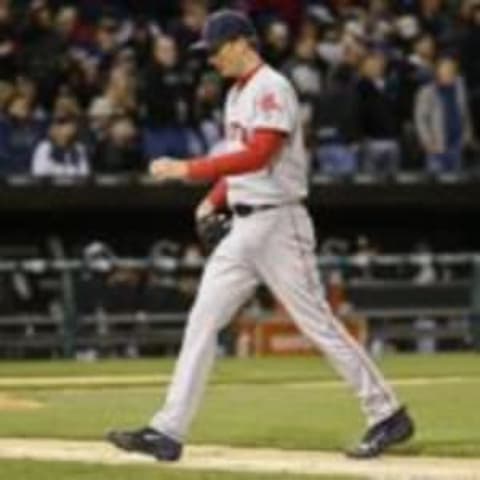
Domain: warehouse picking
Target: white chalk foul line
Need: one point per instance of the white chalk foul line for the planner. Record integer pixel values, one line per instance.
(147, 380)
(221, 458)
(97, 380)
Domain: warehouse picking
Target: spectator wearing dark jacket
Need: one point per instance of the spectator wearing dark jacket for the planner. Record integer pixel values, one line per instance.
(19, 135)
(106, 43)
(377, 117)
(434, 19)
(43, 51)
(470, 61)
(305, 70)
(276, 43)
(345, 73)
(141, 40)
(120, 152)
(207, 112)
(470, 48)
(188, 27)
(335, 113)
(416, 71)
(166, 89)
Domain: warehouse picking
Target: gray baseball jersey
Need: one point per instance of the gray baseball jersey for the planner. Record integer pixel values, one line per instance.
(268, 102)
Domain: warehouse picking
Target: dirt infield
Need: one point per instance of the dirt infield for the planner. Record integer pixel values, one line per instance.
(252, 460)
(10, 403)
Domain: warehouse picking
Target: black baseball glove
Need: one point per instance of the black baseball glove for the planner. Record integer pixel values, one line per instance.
(211, 229)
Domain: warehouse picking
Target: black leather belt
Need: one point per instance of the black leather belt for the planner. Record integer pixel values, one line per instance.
(244, 210)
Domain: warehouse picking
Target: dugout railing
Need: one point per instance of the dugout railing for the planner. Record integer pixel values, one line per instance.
(134, 306)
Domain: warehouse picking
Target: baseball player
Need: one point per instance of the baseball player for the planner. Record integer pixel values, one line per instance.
(263, 180)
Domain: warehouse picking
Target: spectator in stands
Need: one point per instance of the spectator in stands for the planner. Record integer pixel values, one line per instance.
(470, 61)
(417, 70)
(276, 43)
(166, 93)
(344, 74)
(413, 72)
(106, 42)
(329, 46)
(305, 71)
(95, 52)
(7, 92)
(442, 118)
(207, 111)
(61, 154)
(335, 117)
(141, 40)
(125, 60)
(100, 117)
(380, 21)
(19, 134)
(377, 117)
(120, 151)
(406, 29)
(80, 77)
(469, 47)
(186, 29)
(8, 47)
(422, 57)
(120, 92)
(43, 51)
(67, 105)
(26, 87)
(434, 19)
(66, 23)
(286, 10)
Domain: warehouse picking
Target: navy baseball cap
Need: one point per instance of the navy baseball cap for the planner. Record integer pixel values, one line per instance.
(223, 26)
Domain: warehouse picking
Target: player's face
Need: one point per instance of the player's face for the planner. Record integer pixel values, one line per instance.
(225, 59)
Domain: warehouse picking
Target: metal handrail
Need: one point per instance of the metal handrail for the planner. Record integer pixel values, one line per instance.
(171, 264)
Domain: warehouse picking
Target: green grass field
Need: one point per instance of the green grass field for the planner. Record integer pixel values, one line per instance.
(284, 403)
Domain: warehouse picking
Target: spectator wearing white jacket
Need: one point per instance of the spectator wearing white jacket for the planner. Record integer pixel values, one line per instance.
(61, 154)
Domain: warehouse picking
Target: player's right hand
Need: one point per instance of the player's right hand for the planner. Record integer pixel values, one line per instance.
(166, 168)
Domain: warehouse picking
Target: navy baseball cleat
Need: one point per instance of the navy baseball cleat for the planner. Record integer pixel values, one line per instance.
(397, 428)
(148, 441)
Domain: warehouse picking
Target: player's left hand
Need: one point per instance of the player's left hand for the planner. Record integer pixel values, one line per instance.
(166, 168)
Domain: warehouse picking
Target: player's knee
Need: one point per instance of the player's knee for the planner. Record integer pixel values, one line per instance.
(206, 316)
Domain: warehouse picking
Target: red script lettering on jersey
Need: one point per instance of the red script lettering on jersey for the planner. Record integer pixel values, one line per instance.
(268, 103)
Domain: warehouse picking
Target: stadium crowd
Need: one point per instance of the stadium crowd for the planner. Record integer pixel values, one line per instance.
(90, 86)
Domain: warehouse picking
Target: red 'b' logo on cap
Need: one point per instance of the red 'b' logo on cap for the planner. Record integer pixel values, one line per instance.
(268, 103)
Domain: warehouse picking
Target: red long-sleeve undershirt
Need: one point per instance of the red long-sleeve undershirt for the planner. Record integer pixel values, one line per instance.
(258, 152)
(256, 155)
(217, 196)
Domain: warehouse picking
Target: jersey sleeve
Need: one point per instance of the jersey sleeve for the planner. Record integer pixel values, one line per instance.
(258, 152)
(275, 107)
